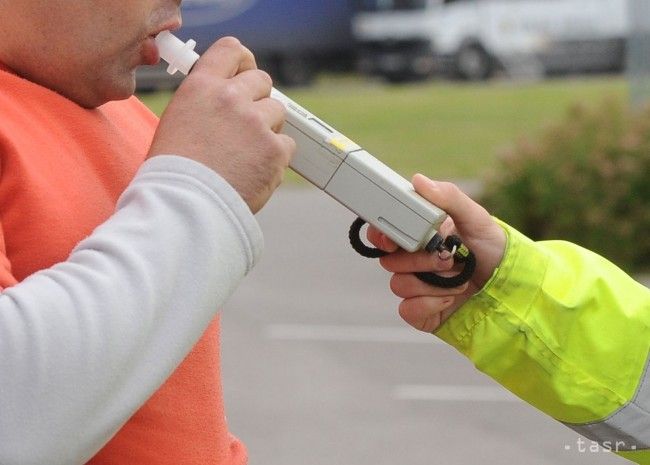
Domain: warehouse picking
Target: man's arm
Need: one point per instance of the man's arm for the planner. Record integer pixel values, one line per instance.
(85, 343)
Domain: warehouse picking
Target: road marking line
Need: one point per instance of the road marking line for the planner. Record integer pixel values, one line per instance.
(296, 332)
(443, 393)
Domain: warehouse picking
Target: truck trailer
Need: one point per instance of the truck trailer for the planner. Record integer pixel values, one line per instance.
(291, 39)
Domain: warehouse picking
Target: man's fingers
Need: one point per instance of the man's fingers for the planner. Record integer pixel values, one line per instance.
(255, 83)
(273, 113)
(289, 147)
(226, 58)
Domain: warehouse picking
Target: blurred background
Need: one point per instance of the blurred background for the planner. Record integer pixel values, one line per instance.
(538, 109)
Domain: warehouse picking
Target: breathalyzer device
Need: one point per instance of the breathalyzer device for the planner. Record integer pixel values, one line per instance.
(351, 175)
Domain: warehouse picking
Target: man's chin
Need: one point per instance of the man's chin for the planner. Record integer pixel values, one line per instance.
(117, 90)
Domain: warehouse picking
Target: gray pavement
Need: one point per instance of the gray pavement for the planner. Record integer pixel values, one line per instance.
(319, 368)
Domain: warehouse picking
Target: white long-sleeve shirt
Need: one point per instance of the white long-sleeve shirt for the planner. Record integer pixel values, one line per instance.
(85, 343)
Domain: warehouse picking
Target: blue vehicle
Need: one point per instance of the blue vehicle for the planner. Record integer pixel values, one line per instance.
(292, 39)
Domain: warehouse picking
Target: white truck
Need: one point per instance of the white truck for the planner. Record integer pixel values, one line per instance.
(409, 39)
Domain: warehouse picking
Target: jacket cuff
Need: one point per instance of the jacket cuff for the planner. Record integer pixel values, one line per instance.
(515, 280)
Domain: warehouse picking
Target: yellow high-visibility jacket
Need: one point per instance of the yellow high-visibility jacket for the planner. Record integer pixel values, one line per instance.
(568, 332)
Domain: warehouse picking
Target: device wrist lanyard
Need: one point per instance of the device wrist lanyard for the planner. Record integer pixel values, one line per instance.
(453, 245)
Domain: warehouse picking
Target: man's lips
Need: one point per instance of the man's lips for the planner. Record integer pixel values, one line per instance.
(149, 52)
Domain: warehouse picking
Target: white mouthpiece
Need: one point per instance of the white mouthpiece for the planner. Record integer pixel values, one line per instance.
(180, 56)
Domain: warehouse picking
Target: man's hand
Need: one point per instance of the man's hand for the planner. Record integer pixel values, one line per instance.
(426, 307)
(222, 116)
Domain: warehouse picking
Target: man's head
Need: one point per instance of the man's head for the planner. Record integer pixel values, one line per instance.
(86, 50)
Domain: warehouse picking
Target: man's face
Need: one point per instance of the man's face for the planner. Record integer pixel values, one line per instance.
(86, 50)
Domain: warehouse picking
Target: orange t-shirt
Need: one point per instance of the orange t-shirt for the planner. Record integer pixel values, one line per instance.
(63, 168)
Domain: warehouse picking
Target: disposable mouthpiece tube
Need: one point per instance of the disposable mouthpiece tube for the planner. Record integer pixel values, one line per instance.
(180, 55)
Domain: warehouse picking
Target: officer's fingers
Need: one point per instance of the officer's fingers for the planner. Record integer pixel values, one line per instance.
(425, 313)
(405, 262)
(447, 228)
(380, 240)
(407, 286)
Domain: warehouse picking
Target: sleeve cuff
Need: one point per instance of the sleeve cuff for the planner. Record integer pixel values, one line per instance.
(515, 280)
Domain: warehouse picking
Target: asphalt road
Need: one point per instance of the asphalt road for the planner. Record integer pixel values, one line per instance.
(319, 368)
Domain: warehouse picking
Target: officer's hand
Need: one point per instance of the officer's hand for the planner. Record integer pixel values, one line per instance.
(426, 307)
(222, 116)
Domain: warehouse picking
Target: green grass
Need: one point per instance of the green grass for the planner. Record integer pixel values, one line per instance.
(442, 129)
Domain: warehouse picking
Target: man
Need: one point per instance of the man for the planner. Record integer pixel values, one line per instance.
(118, 245)
(561, 327)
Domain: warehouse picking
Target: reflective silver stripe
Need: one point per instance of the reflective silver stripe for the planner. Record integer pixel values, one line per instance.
(628, 428)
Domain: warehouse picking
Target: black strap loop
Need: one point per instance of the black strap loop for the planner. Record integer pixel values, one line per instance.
(358, 245)
(452, 244)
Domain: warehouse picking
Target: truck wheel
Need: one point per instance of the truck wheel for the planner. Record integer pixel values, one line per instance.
(295, 71)
(473, 63)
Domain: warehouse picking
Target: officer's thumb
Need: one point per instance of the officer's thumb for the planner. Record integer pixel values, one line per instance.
(447, 196)
(473, 223)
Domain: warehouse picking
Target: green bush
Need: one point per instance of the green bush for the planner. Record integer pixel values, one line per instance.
(585, 180)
